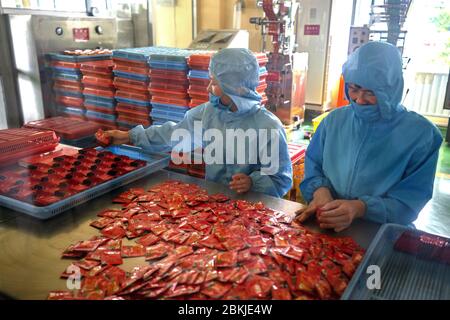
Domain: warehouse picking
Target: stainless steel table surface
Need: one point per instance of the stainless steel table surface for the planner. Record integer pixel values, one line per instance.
(30, 249)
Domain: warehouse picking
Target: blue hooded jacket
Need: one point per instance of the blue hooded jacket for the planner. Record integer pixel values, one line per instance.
(237, 72)
(383, 155)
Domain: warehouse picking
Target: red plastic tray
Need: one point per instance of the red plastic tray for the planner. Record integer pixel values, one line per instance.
(102, 67)
(65, 64)
(168, 75)
(200, 61)
(196, 102)
(199, 82)
(67, 83)
(134, 122)
(98, 82)
(168, 85)
(107, 93)
(131, 85)
(66, 128)
(70, 101)
(168, 100)
(72, 87)
(261, 88)
(128, 112)
(19, 143)
(129, 69)
(99, 109)
(129, 63)
(75, 116)
(126, 106)
(169, 93)
(133, 95)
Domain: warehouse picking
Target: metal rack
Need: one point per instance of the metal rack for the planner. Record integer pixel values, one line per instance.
(390, 15)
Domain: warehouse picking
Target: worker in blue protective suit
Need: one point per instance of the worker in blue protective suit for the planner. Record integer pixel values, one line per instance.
(373, 159)
(234, 106)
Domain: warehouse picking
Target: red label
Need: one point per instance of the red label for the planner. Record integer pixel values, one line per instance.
(312, 29)
(81, 34)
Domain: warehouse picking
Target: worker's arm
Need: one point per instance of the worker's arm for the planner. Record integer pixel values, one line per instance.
(314, 176)
(403, 202)
(278, 182)
(159, 138)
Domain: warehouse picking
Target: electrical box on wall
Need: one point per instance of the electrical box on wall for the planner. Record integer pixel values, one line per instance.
(358, 37)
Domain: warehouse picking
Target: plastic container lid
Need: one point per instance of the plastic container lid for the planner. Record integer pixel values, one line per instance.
(70, 101)
(93, 81)
(126, 106)
(68, 82)
(22, 142)
(64, 127)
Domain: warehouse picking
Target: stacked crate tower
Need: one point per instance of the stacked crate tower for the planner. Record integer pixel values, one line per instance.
(131, 81)
(169, 85)
(99, 93)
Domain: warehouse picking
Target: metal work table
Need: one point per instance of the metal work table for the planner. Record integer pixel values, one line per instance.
(30, 249)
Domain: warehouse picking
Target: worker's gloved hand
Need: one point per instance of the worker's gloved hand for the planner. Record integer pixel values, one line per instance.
(322, 196)
(118, 137)
(241, 183)
(339, 214)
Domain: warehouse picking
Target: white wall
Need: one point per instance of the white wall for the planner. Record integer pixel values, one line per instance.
(315, 12)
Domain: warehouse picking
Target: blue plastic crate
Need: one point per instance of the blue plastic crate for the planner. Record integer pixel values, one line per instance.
(92, 100)
(199, 74)
(68, 93)
(155, 162)
(132, 76)
(66, 76)
(168, 66)
(403, 276)
(160, 115)
(170, 107)
(72, 71)
(70, 110)
(137, 54)
(101, 116)
(73, 58)
(139, 103)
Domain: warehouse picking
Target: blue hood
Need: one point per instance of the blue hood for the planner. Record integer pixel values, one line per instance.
(237, 72)
(377, 66)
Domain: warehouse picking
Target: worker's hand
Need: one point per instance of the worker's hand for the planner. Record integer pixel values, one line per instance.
(321, 197)
(339, 214)
(241, 183)
(118, 137)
